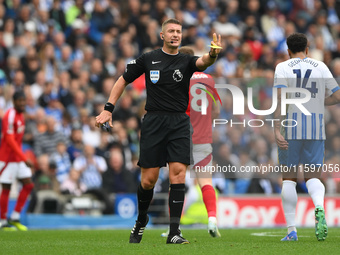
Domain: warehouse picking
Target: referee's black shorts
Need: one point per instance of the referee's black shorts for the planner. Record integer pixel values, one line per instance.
(165, 137)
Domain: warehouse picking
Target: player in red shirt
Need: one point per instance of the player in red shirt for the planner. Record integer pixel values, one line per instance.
(13, 163)
(202, 139)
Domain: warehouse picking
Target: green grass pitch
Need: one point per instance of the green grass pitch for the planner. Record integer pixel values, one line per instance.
(233, 241)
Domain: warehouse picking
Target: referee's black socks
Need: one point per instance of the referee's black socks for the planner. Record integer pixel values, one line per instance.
(144, 198)
(176, 201)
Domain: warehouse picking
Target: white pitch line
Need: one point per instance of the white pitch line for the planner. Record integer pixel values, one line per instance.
(270, 234)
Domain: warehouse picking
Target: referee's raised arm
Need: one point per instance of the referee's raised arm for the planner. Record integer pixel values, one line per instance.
(208, 59)
(116, 92)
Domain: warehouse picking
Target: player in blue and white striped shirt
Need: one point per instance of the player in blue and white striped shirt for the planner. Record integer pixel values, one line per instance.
(303, 141)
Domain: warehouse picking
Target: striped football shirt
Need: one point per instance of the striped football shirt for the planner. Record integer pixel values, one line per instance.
(314, 76)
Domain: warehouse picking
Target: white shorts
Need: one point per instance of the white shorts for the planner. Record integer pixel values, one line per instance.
(13, 170)
(202, 154)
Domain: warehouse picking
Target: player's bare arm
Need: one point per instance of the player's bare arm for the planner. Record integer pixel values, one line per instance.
(333, 99)
(116, 92)
(209, 58)
(280, 140)
(29, 163)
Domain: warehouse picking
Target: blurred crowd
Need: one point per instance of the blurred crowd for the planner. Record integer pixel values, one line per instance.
(67, 54)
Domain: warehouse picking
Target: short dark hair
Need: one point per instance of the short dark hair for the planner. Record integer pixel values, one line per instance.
(297, 42)
(187, 50)
(18, 95)
(170, 21)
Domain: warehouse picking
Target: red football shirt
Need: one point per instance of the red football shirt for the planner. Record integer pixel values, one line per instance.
(202, 124)
(13, 128)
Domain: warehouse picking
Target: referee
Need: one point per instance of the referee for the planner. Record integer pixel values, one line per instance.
(165, 132)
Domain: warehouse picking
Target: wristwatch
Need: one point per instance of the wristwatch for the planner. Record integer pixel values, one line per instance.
(212, 56)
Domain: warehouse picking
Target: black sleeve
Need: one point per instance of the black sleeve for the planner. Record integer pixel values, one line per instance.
(134, 69)
(192, 63)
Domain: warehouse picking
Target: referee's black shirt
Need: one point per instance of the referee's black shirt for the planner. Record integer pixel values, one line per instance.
(167, 79)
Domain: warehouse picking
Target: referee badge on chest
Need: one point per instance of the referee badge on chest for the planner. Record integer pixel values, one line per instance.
(154, 76)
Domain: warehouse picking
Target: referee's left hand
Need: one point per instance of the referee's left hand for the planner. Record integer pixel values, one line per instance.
(216, 42)
(104, 116)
